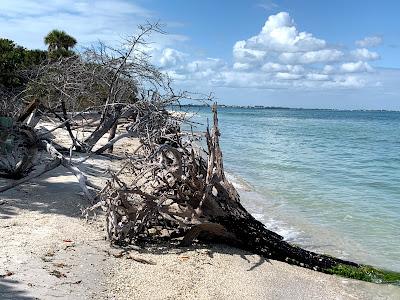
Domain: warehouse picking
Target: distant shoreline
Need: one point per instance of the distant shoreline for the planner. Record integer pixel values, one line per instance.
(285, 108)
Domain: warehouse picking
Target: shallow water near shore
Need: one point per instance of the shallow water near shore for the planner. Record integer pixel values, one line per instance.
(326, 180)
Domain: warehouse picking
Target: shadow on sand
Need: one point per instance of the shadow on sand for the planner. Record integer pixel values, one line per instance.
(9, 290)
(164, 248)
(55, 192)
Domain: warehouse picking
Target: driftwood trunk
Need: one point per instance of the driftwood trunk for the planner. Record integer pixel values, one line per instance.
(112, 133)
(239, 227)
(106, 125)
(176, 189)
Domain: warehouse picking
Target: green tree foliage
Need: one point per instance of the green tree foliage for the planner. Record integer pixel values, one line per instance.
(59, 43)
(11, 59)
(14, 59)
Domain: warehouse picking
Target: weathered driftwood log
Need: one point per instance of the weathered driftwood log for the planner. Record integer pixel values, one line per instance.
(105, 125)
(172, 191)
(82, 179)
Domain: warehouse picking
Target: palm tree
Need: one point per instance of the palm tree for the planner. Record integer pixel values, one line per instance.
(59, 40)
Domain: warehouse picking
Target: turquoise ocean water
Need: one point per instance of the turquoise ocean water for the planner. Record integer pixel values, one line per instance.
(327, 180)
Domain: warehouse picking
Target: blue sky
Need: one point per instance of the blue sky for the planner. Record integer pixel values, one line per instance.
(319, 54)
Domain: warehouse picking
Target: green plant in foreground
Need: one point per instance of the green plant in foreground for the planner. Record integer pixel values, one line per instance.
(366, 273)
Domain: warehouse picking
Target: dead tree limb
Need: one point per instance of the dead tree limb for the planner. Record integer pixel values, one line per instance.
(112, 133)
(82, 179)
(28, 110)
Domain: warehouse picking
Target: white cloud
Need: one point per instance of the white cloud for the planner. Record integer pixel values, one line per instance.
(317, 77)
(243, 54)
(370, 41)
(271, 67)
(173, 74)
(288, 76)
(24, 8)
(349, 82)
(328, 69)
(312, 57)
(279, 57)
(208, 68)
(280, 34)
(241, 66)
(204, 65)
(364, 54)
(354, 67)
(284, 80)
(171, 57)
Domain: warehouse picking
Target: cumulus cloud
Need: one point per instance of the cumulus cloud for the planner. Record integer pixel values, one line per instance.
(241, 66)
(205, 65)
(328, 69)
(311, 57)
(370, 41)
(246, 55)
(200, 69)
(353, 67)
(280, 34)
(348, 82)
(271, 67)
(280, 56)
(317, 77)
(171, 57)
(288, 76)
(364, 54)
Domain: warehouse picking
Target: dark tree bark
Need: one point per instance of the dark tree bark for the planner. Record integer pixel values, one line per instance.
(105, 126)
(112, 133)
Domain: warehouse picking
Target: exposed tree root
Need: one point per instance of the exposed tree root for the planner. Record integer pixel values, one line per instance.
(178, 192)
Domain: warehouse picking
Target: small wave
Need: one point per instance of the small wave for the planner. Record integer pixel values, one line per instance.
(289, 233)
(238, 182)
(181, 114)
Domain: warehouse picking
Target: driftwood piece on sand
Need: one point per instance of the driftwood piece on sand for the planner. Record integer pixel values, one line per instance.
(177, 192)
(82, 179)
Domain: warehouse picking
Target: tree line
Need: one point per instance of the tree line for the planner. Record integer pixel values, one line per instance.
(15, 59)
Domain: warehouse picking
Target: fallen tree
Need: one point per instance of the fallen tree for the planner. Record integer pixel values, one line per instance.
(175, 192)
(170, 188)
